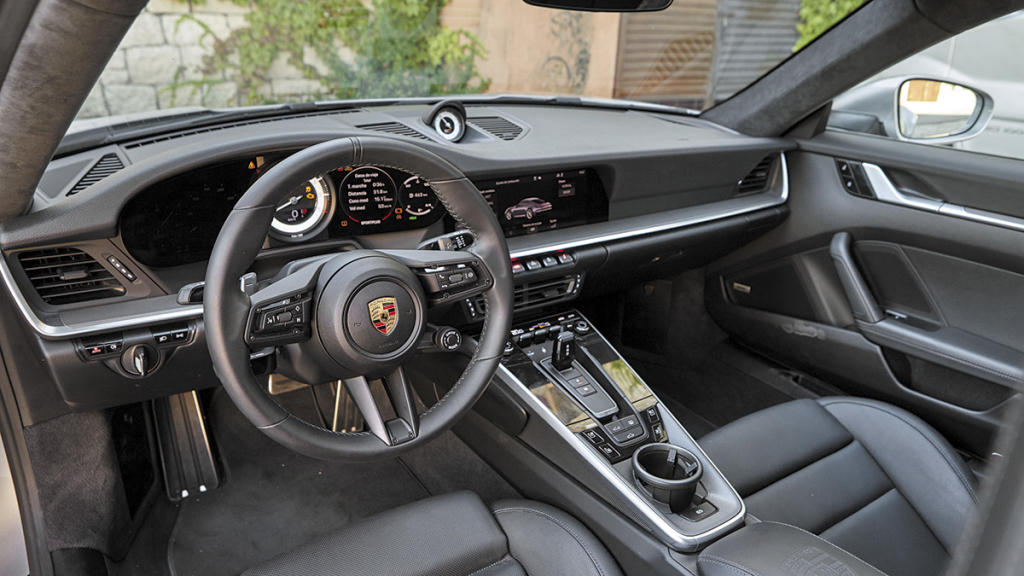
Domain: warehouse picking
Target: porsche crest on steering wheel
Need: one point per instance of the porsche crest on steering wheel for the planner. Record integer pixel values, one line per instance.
(383, 314)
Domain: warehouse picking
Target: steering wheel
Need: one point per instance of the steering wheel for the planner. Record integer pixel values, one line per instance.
(353, 316)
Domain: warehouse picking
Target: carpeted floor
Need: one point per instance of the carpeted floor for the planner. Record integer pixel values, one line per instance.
(272, 500)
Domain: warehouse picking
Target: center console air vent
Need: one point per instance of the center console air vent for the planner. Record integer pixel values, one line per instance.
(106, 166)
(396, 128)
(537, 293)
(68, 275)
(497, 126)
(757, 180)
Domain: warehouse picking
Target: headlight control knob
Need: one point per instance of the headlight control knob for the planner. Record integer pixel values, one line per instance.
(139, 360)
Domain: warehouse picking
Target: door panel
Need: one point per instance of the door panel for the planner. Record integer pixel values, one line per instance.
(906, 304)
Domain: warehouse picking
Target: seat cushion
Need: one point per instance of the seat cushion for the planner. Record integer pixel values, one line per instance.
(869, 477)
(452, 535)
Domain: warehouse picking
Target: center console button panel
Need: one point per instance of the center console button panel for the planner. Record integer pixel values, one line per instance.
(558, 350)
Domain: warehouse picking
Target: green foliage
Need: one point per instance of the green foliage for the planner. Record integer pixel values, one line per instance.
(387, 49)
(817, 16)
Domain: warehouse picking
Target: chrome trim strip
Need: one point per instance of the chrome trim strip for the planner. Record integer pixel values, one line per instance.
(982, 216)
(886, 192)
(664, 530)
(768, 202)
(52, 331)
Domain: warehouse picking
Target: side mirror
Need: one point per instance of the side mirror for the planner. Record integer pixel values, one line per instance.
(936, 111)
(922, 110)
(603, 5)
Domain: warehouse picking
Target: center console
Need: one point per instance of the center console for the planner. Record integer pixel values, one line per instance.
(598, 421)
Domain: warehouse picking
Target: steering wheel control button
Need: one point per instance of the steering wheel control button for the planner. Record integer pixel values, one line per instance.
(447, 278)
(279, 322)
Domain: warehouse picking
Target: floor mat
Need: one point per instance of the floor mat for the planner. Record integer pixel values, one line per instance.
(272, 500)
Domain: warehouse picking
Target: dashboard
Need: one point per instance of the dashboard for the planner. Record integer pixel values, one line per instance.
(590, 200)
(176, 221)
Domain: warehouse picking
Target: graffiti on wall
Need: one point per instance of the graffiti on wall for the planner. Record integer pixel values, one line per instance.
(566, 70)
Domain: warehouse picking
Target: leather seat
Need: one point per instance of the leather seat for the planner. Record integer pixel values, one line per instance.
(866, 476)
(452, 535)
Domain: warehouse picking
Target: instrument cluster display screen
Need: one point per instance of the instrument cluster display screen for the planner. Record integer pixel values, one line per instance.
(549, 201)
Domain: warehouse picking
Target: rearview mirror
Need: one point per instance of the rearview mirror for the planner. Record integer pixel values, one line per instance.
(604, 5)
(934, 110)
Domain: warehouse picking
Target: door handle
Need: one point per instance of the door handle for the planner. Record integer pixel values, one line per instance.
(858, 293)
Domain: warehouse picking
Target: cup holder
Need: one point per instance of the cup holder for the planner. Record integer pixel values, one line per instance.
(669, 473)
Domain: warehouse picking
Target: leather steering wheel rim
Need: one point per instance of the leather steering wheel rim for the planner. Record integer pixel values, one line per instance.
(226, 307)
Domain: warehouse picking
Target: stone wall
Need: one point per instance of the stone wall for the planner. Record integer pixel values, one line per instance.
(163, 52)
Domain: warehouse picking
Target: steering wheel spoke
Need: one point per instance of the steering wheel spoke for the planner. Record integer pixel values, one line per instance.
(402, 400)
(397, 430)
(446, 276)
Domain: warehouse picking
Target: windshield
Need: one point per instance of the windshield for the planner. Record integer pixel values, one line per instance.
(222, 53)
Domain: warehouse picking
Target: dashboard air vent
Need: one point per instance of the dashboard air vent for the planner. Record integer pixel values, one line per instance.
(216, 127)
(396, 128)
(539, 293)
(68, 275)
(497, 126)
(757, 179)
(104, 167)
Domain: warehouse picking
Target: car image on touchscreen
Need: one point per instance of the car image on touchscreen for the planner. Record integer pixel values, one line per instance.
(539, 202)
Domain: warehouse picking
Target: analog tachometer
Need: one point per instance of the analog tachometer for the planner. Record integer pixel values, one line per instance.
(304, 212)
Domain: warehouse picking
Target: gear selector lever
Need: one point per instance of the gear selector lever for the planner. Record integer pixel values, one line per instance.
(565, 350)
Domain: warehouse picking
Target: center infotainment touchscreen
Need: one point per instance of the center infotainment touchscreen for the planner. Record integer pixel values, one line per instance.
(539, 202)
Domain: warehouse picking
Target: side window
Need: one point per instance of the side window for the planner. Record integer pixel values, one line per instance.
(963, 93)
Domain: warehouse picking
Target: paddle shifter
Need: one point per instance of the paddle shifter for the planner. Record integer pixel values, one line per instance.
(565, 350)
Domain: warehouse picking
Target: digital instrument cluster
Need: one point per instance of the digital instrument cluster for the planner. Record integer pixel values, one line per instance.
(176, 221)
(354, 200)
